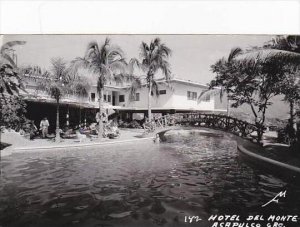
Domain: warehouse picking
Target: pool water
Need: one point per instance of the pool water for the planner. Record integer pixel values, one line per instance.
(139, 184)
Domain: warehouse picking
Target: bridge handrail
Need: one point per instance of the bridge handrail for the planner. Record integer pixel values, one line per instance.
(219, 121)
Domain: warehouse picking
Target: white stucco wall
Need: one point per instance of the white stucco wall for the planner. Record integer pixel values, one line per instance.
(181, 101)
(175, 98)
(163, 101)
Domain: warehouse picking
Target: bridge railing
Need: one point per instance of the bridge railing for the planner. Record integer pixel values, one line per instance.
(217, 121)
(161, 122)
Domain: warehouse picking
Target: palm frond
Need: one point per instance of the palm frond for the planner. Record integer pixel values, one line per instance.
(77, 64)
(80, 87)
(135, 85)
(119, 66)
(265, 54)
(5, 58)
(10, 81)
(234, 53)
(205, 94)
(59, 68)
(103, 51)
(114, 53)
(133, 64)
(155, 88)
(92, 50)
(8, 45)
(144, 50)
(167, 84)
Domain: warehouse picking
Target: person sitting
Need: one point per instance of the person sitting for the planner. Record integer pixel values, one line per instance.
(112, 130)
(33, 131)
(80, 136)
(68, 133)
(93, 129)
(29, 130)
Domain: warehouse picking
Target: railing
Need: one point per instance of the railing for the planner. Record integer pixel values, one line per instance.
(223, 122)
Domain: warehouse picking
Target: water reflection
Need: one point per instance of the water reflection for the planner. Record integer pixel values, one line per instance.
(142, 184)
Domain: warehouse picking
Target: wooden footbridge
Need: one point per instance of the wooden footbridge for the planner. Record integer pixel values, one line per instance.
(158, 126)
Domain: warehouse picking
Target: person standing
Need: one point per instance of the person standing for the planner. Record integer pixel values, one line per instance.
(44, 127)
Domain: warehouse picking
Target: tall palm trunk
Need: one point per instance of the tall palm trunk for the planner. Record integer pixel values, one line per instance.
(57, 137)
(149, 101)
(100, 134)
(228, 106)
(0, 142)
(79, 115)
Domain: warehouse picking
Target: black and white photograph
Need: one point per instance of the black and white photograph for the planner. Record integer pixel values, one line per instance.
(149, 113)
(150, 130)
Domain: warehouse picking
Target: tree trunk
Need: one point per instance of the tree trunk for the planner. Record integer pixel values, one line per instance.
(260, 132)
(80, 115)
(0, 129)
(68, 117)
(228, 106)
(0, 138)
(100, 131)
(293, 125)
(57, 136)
(261, 123)
(149, 102)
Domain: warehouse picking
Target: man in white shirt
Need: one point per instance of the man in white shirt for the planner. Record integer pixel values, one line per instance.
(44, 127)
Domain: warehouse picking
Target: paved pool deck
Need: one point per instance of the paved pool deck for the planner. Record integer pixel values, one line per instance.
(20, 144)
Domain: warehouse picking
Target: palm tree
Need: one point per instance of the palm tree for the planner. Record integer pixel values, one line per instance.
(56, 83)
(286, 49)
(154, 58)
(291, 82)
(10, 81)
(107, 63)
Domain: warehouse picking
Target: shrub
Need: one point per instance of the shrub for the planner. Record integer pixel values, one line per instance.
(12, 112)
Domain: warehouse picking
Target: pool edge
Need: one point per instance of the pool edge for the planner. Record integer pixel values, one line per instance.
(273, 162)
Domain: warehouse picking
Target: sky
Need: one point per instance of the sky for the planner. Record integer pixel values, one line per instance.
(192, 55)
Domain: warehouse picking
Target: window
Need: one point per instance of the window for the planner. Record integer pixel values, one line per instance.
(121, 98)
(206, 98)
(104, 97)
(137, 96)
(93, 97)
(162, 92)
(191, 95)
(109, 98)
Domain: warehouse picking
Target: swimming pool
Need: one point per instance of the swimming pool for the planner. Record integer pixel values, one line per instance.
(195, 172)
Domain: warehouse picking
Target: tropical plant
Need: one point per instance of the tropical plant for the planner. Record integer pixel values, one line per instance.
(10, 85)
(154, 58)
(56, 83)
(10, 81)
(290, 47)
(250, 81)
(13, 110)
(107, 63)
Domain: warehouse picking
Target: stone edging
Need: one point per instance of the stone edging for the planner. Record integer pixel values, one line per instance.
(268, 160)
(13, 150)
(78, 145)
